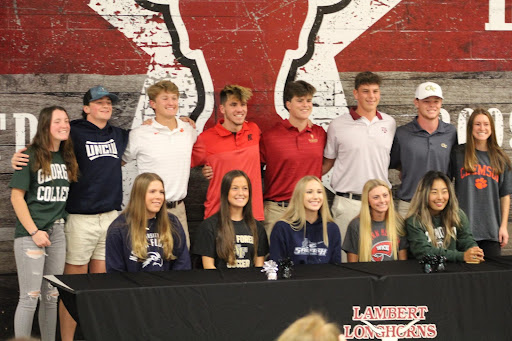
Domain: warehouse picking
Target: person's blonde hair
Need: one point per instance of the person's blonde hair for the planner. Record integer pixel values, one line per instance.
(394, 223)
(295, 214)
(137, 220)
(162, 86)
(420, 213)
(312, 327)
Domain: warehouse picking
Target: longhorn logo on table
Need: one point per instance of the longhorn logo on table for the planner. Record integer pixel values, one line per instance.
(401, 323)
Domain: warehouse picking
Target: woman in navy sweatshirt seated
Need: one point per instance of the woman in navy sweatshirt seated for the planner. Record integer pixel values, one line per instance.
(145, 237)
(307, 233)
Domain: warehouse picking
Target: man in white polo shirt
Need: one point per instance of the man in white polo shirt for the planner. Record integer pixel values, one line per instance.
(164, 147)
(358, 147)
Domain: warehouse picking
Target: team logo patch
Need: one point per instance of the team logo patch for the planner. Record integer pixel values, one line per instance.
(444, 145)
(430, 88)
(480, 183)
(96, 150)
(380, 250)
(309, 248)
(312, 139)
(384, 129)
(154, 259)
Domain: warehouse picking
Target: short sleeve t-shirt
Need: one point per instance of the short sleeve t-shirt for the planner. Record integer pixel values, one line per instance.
(479, 193)
(244, 243)
(45, 195)
(381, 245)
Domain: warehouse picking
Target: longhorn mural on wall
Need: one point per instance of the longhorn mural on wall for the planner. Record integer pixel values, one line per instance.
(186, 47)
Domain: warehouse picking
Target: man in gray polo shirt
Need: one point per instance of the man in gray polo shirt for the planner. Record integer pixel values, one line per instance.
(423, 144)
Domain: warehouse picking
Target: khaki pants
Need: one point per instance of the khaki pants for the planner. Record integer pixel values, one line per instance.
(273, 213)
(180, 212)
(403, 208)
(343, 211)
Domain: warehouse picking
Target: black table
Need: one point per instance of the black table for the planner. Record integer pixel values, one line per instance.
(370, 301)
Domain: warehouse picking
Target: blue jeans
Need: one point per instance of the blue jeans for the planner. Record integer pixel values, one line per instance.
(32, 263)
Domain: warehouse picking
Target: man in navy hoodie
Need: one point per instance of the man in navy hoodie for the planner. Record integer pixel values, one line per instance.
(94, 200)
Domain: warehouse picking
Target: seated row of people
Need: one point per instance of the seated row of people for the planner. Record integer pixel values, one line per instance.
(147, 238)
(434, 225)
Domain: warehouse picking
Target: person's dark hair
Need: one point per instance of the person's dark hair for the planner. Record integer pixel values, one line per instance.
(500, 161)
(225, 240)
(367, 77)
(241, 93)
(298, 89)
(420, 212)
(42, 145)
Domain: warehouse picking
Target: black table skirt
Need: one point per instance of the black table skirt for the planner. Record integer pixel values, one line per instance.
(370, 301)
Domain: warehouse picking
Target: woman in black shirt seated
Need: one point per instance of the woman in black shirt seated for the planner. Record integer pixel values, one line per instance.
(232, 238)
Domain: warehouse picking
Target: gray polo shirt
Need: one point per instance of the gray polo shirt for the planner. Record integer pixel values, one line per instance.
(416, 152)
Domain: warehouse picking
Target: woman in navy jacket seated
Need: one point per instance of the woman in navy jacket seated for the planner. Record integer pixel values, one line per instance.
(145, 237)
(307, 233)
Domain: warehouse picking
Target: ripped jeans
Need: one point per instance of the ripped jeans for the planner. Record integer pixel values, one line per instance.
(32, 263)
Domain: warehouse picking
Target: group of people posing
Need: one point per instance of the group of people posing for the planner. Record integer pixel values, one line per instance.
(67, 190)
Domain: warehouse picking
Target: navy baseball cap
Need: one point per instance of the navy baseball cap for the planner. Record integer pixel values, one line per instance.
(98, 92)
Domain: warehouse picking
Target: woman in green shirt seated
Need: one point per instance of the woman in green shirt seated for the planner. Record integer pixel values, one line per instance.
(437, 226)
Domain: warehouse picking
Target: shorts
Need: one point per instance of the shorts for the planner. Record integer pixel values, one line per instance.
(86, 235)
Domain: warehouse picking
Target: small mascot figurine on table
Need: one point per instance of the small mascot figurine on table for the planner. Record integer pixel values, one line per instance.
(433, 263)
(270, 268)
(286, 266)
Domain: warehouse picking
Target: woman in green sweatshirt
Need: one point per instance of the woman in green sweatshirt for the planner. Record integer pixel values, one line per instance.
(436, 225)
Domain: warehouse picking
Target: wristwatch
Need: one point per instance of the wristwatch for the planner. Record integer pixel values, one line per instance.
(33, 233)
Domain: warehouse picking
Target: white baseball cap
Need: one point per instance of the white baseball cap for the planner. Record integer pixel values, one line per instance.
(428, 89)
